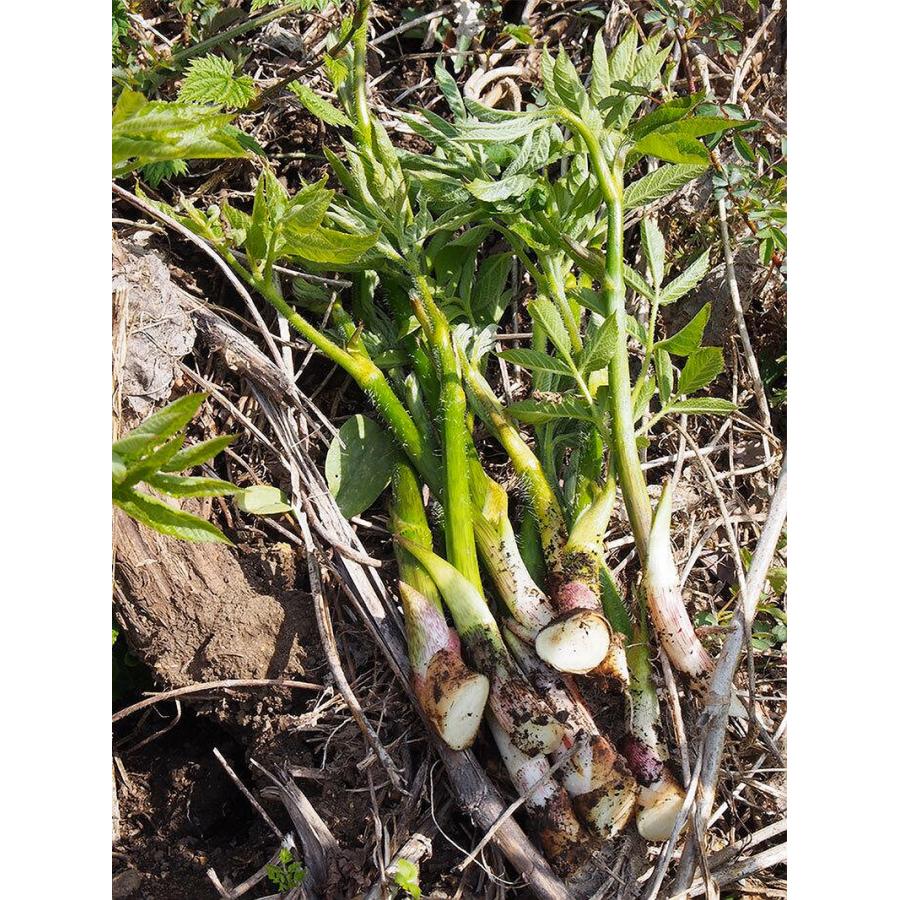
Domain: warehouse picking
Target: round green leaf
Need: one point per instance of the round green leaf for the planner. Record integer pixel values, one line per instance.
(262, 500)
(359, 464)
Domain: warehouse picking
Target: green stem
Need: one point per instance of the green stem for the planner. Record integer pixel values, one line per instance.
(457, 502)
(543, 500)
(363, 371)
(408, 520)
(363, 117)
(558, 292)
(628, 462)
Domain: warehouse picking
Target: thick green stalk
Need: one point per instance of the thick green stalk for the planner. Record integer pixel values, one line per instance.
(523, 713)
(408, 520)
(423, 366)
(628, 462)
(457, 502)
(500, 554)
(543, 500)
(363, 117)
(363, 371)
(469, 609)
(452, 696)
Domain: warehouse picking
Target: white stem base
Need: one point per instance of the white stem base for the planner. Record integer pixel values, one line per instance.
(659, 805)
(576, 642)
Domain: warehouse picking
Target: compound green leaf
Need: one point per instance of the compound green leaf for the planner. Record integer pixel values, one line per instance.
(665, 376)
(568, 85)
(494, 191)
(674, 148)
(701, 368)
(198, 454)
(686, 281)
(600, 79)
(160, 426)
(167, 519)
(545, 314)
(643, 398)
(190, 486)
(319, 106)
(665, 114)
(504, 131)
(545, 409)
(660, 183)
(636, 282)
(211, 79)
(621, 60)
(329, 247)
(449, 88)
(146, 132)
(488, 299)
(712, 406)
(654, 247)
(535, 360)
(686, 341)
(599, 349)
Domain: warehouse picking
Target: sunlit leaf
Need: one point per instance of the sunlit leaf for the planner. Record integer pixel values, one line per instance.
(359, 464)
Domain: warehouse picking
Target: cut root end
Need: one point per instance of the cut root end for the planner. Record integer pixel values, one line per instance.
(609, 813)
(454, 698)
(659, 805)
(576, 642)
(603, 791)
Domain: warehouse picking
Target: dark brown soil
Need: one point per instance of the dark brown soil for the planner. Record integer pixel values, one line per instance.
(182, 814)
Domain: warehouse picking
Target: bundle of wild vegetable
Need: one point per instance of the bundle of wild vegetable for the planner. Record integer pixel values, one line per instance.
(431, 239)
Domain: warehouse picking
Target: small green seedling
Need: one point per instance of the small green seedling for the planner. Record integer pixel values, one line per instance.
(407, 878)
(152, 453)
(288, 873)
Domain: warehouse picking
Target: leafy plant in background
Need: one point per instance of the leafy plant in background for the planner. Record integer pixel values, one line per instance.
(120, 26)
(211, 80)
(755, 182)
(287, 873)
(200, 17)
(773, 369)
(151, 454)
(705, 20)
(770, 625)
(153, 131)
(207, 25)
